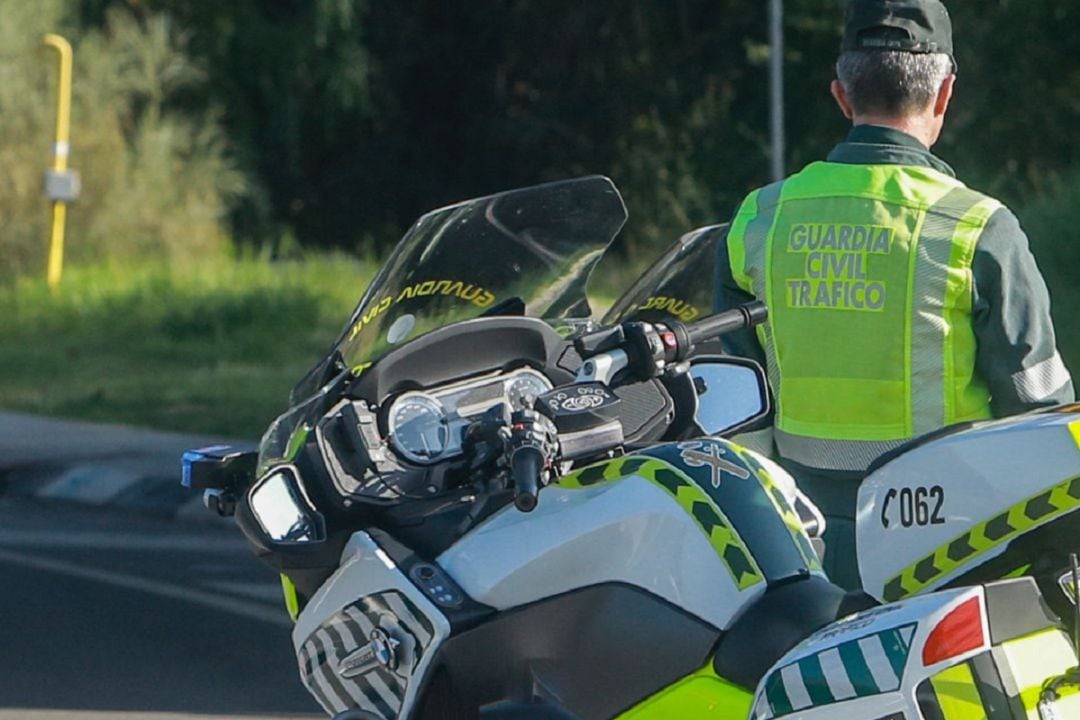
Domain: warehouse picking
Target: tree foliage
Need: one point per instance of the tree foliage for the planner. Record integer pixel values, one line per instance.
(348, 118)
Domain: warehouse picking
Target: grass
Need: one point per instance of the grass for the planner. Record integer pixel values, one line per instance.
(216, 352)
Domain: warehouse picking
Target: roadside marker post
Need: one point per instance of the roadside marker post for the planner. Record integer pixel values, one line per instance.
(62, 185)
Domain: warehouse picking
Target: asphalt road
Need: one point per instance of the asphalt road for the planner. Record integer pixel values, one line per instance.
(106, 614)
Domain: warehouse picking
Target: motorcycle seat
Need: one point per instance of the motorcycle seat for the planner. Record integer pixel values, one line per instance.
(785, 615)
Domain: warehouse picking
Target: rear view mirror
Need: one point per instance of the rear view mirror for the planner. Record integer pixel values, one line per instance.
(731, 393)
(283, 511)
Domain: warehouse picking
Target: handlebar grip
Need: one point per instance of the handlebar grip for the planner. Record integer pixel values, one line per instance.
(738, 318)
(525, 466)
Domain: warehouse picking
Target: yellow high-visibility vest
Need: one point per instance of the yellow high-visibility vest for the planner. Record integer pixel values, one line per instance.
(866, 270)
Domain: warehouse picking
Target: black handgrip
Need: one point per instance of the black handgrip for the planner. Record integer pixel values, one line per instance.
(525, 466)
(738, 318)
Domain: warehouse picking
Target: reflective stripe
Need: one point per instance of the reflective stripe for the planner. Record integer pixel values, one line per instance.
(949, 559)
(748, 251)
(854, 455)
(1042, 380)
(927, 327)
(957, 694)
(965, 398)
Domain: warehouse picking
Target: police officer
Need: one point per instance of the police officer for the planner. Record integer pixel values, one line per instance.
(901, 301)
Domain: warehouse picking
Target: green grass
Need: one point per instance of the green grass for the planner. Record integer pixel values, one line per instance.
(216, 352)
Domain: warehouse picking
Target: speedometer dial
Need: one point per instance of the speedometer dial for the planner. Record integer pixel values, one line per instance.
(524, 388)
(419, 428)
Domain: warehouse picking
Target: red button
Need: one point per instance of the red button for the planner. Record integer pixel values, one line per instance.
(669, 340)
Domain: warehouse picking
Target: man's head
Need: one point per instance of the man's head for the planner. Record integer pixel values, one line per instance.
(896, 66)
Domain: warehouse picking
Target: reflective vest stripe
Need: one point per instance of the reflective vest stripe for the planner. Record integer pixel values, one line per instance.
(750, 262)
(850, 455)
(965, 400)
(947, 239)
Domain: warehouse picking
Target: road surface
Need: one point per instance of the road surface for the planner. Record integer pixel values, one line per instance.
(110, 615)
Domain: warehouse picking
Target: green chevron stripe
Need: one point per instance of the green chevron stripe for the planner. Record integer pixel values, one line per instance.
(709, 518)
(981, 539)
(779, 500)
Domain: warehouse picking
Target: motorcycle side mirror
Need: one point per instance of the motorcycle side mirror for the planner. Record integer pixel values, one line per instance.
(732, 393)
(283, 511)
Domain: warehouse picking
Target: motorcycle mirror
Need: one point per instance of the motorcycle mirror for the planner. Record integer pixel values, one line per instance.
(283, 511)
(731, 392)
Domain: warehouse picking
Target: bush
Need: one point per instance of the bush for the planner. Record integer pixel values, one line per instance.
(157, 182)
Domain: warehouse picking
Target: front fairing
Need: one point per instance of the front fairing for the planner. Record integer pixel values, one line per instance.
(534, 248)
(679, 285)
(522, 252)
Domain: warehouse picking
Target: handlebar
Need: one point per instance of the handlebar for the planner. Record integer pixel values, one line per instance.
(525, 466)
(738, 318)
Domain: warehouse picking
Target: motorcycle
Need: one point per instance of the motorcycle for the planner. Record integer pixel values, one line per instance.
(484, 505)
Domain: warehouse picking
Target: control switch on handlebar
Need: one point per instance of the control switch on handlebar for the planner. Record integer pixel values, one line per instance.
(532, 446)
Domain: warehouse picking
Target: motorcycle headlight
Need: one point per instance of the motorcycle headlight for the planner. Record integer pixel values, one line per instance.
(283, 510)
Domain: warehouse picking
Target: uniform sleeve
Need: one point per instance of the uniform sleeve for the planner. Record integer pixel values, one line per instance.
(743, 343)
(1017, 351)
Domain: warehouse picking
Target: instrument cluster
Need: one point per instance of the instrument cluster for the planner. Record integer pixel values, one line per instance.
(426, 427)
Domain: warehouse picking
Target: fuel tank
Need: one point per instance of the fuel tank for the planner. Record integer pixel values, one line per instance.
(699, 524)
(997, 499)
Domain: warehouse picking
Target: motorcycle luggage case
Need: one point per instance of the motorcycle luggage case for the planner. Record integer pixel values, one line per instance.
(997, 499)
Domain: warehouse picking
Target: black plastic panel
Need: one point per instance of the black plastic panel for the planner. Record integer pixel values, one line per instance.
(466, 349)
(588, 654)
(784, 616)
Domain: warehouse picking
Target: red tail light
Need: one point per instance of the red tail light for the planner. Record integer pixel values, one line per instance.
(959, 632)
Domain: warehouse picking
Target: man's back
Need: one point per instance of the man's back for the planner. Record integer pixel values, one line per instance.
(900, 301)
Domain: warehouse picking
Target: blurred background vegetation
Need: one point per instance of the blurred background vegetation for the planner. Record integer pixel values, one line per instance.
(226, 147)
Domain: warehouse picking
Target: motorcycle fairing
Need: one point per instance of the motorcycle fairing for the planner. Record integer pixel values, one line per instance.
(537, 244)
(703, 694)
(628, 531)
(691, 497)
(911, 658)
(941, 511)
(588, 654)
(744, 490)
(331, 636)
(340, 667)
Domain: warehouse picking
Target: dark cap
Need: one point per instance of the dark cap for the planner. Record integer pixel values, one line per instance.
(916, 26)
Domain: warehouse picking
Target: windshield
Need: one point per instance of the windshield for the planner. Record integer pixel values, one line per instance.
(679, 285)
(528, 250)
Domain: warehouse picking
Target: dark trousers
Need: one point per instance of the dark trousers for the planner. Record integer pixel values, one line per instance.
(835, 494)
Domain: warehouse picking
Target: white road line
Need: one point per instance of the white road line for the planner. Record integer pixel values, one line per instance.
(107, 540)
(250, 610)
(266, 592)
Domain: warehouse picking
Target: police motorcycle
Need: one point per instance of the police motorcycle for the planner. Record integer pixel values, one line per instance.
(482, 514)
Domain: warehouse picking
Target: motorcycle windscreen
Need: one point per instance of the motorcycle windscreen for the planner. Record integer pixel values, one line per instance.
(679, 285)
(527, 251)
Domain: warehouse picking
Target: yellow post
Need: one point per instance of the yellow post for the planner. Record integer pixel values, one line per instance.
(61, 151)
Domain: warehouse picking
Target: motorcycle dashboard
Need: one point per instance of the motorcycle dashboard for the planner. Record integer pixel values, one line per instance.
(427, 426)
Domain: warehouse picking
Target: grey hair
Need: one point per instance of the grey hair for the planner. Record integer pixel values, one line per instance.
(891, 82)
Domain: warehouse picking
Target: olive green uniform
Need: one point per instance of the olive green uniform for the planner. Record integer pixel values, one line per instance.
(963, 335)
